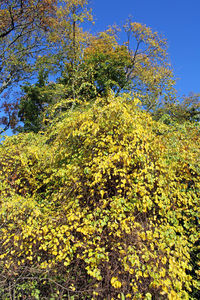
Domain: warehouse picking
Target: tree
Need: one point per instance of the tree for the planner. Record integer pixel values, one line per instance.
(29, 31)
(48, 35)
(21, 32)
(108, 63)
(32, 104)
(150, 70)
(140, 65)
(22, 29)
(186, 109)
(94, 66)
(67, 41)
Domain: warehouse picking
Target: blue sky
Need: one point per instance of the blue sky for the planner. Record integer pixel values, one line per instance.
(178, 21)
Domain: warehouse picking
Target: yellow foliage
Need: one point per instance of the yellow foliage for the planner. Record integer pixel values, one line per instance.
(103, 203)
(115, 282)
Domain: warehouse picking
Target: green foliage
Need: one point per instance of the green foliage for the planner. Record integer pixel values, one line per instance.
(105, 203)
(187, 109)
(109, 62)
(32, 104)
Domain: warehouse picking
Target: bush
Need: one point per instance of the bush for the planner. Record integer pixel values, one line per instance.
(104, 205)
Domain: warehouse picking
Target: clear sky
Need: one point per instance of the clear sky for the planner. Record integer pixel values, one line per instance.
(177, 20)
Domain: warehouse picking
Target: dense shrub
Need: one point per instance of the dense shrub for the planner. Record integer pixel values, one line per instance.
(104, 205)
